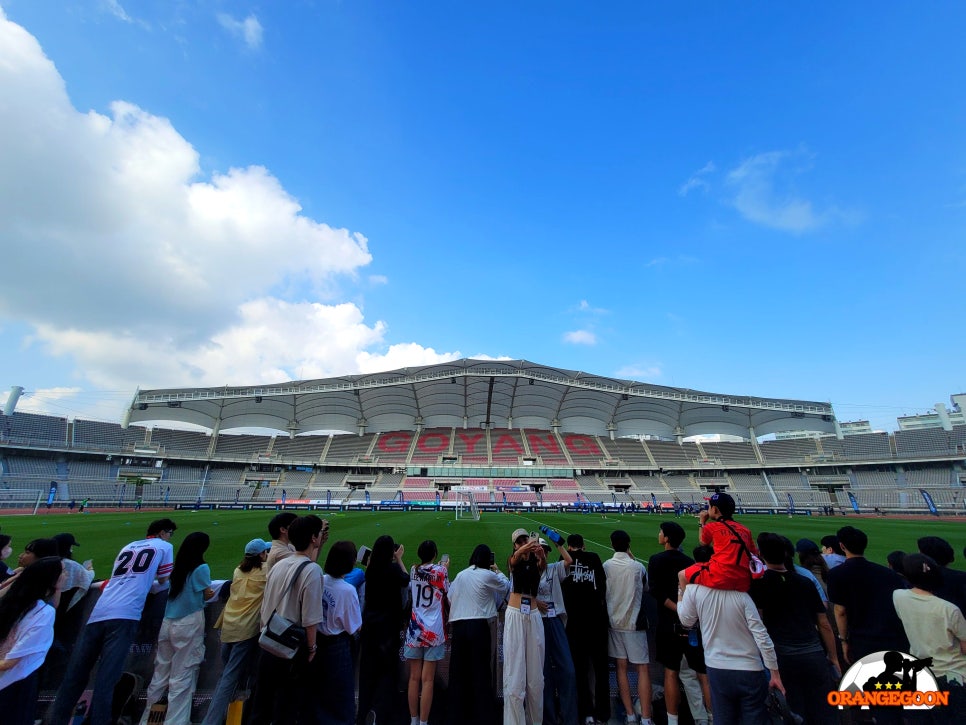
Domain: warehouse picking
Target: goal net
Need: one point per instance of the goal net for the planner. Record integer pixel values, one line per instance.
(466, 508)
(29, 499)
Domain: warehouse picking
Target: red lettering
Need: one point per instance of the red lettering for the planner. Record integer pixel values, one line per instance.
(397, 442)
(470, 441)
(538, 443)
(441, 444)
(507, 441)
(582, 445)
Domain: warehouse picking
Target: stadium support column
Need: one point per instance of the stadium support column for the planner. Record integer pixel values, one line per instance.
(363, 424)
(15, 392)
(940, 411)
(611, 430)
(838, 430)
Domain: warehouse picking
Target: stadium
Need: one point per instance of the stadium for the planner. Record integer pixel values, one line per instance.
(463, 440)
(493, 435)
(505, 434)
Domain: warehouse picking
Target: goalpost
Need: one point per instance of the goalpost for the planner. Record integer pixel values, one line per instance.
(466, 508)
(22, 498)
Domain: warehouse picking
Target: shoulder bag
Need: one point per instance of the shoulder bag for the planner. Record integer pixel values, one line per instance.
(282, 637)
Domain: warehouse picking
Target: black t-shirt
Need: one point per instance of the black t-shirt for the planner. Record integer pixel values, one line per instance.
(662, 574)
(585, 588)
(953, 588)
(788, 603)
(865, 590)
(385, 585)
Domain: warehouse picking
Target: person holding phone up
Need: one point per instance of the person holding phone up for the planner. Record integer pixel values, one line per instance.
(473, 597)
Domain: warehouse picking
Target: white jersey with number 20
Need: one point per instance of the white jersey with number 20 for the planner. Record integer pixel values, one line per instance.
(135, 569)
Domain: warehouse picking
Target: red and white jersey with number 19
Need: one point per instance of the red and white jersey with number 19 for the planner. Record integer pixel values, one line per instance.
(135, 570)
(428, 585)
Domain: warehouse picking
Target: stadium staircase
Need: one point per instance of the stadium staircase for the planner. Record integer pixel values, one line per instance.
(650, 457)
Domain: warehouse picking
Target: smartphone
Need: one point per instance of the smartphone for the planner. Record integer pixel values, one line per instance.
(492, 558)
(363, 556)
(444, 559)
(533, 536)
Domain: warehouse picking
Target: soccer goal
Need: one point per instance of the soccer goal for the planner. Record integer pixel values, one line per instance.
(22, 498)
(466, 508)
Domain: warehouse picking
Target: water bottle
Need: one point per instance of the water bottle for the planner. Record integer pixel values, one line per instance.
(693, 637)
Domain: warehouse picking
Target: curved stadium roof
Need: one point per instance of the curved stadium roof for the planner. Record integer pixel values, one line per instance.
(476, 394)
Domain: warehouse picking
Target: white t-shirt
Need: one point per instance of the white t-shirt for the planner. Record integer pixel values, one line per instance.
(30, 637)
(133, 573)
(935, 628)
(474, 592)
(427, 585)
(340, 607)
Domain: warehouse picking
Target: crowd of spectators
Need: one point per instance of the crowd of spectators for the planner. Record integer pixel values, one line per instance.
(742, 630)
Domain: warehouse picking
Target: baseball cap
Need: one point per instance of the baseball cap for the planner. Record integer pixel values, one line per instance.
(257, 546)
(67, 539)
(544, 544)
(724, 502)
(517, 534)
(804, 545)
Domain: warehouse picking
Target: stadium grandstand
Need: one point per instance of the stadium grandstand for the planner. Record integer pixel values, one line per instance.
(512, 434)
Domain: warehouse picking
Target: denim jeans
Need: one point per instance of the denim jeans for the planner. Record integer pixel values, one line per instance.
(239, 658)
(107, 644)
(738, 696)
(333, 678)
(558, 675)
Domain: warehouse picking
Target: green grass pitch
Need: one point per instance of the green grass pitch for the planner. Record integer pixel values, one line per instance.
(102, 534)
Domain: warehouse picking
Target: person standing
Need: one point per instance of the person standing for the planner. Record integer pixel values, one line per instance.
(626, 584)
(26, 633)
(523, 637)
(558, 666)
(796, 620)
(425, 635)
(672, 642)
(341, 619)
(861, 595)
(936, 628)
(110, 629)
(240, 626)
(382, 621)
(284, 688)
(181, 642)
(585, 594)
(473, 597)
(736, 644)
(278, 530)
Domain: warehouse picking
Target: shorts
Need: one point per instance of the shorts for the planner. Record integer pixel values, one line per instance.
(628, 645)
(671, 647)
(427, 654)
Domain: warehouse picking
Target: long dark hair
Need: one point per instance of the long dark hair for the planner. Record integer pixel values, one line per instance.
(251, 561)
(381, 556)
(37, 581)
(481, 556)
(191, 555)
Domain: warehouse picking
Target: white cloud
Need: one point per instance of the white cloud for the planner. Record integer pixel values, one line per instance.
(115, 9)
(762, 190)
(586, 307)
(248, 30)
(378, 279)
(122, 257)
(580, 337)
(697, 180)
(642, 373)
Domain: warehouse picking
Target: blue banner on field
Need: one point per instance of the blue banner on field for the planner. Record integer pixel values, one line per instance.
(929, 502)
(52, 493)
(854, 501)
(791, 503)
(653, 500)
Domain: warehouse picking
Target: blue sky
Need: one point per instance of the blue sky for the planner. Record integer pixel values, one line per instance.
(747, 198)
